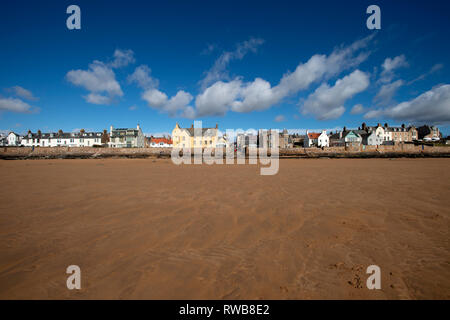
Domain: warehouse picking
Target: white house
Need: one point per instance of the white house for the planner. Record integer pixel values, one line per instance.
(62, 139)
(13, 139)
(311, 139)
(381, 132)
(323, 140)
(371, 139)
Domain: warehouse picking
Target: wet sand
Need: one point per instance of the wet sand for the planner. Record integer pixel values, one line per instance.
(148, 229)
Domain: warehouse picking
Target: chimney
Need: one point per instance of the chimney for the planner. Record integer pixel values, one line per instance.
(110, 129)
(138, 127)
(217, 126)
(192, 126)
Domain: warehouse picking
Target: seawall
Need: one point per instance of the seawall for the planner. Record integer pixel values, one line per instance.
(402, 150)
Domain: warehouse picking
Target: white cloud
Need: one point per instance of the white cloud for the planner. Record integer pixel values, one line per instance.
(96, 98)
(177, 105)
(219, 69)
(238, 96)
(387, 91)
(255, 96)
(14, 105)
(432, 106)
(322, 66)
(328, 102)
(389, 65)
(357, 109)
(141, 76)
(216, 99)
(23, 93)
(100, 80)
(122, 58)
(280, 118)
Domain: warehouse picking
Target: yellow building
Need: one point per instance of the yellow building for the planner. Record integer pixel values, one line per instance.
(185, 138)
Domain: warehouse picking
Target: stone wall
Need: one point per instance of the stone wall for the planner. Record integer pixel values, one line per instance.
(403, 150)
(81, 152)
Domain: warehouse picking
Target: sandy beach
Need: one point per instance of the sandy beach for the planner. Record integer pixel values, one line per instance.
(148, 229)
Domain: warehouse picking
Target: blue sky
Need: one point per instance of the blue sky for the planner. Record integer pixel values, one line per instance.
(242, 64)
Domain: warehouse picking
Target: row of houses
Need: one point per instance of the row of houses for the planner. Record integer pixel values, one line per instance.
(209, 138)
(372, 136)
(115, 138)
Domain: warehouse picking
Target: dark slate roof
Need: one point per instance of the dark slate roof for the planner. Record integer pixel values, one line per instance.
(64, 135)
(190, 131)
(362, 133)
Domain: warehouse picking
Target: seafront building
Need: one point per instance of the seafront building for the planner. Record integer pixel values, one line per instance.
(160, 142)
(64, 139)
(126, 137)
(265, 139)
(13, 139)
(185, 137)
(246, 140)
(210, 138)
(429, 133)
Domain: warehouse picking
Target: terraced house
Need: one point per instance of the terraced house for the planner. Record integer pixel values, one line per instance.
(394, 134)
(185, 137)
(63, 139)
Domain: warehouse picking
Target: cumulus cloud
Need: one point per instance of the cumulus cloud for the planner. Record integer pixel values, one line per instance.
(357, 109)
(387, 91)
(240, 96)
(99, 80)
(256, 96)
(280, 118)
(216, 99)
(432, 106)
(14, 105)
(23, 93)
(327, 102)
(219, 69)
(122, 58)
(141, 76)
(177, 105)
